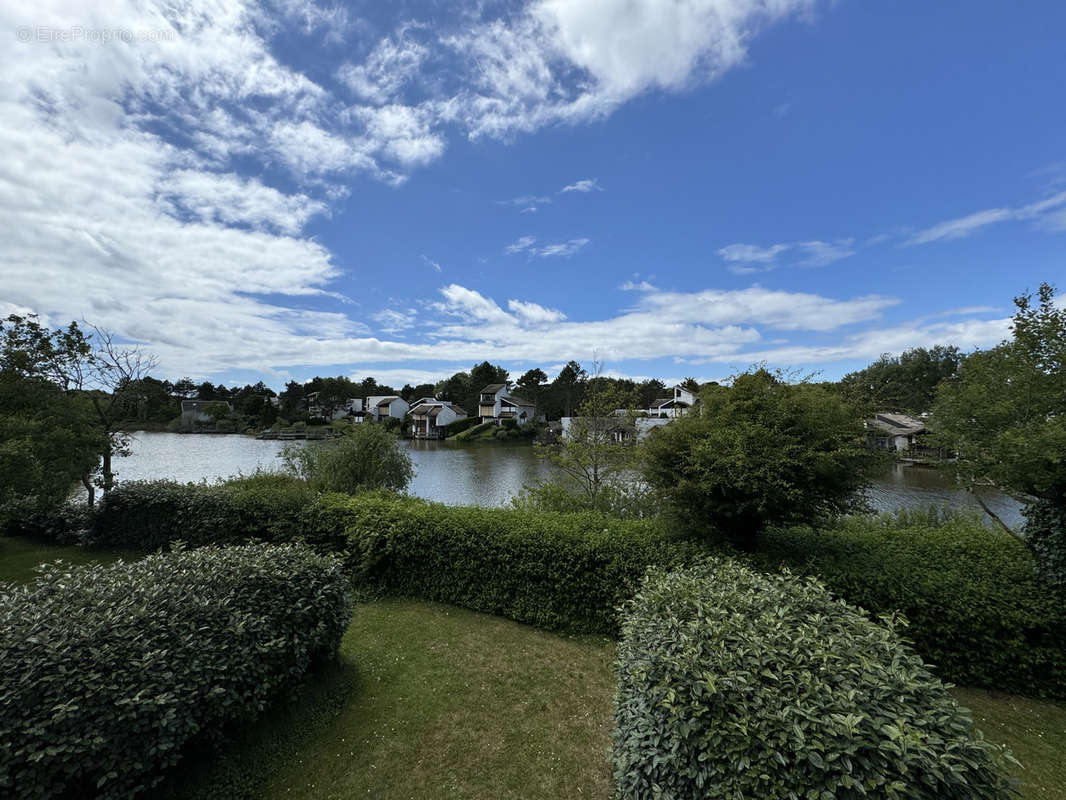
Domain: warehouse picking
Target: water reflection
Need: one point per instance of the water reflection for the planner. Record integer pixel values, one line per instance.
(483, 474)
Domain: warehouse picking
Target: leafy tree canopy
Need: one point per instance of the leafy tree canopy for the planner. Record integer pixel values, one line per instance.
(761, 452)
(906, 383)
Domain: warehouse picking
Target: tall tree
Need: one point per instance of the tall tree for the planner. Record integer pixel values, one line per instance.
(567, 388)
(907, 383)
(530, 385)
(1005, 415)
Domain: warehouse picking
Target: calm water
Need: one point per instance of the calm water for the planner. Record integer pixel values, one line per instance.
(480, 474)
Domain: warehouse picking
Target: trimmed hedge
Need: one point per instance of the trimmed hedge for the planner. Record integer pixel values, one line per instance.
(975, 606)
(107, 672)
(147, 515)
(735, 683)
(563, 572)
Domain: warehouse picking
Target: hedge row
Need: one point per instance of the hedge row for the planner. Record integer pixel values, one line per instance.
(147, 515)
(735, 683)
(975, 607)
(564, 572)
(108, 672)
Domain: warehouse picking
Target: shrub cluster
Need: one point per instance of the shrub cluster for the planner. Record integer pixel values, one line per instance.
(566, 572)
(109, 671)
(975, 605)
(736, 683)
(147, 515)
(460, 425)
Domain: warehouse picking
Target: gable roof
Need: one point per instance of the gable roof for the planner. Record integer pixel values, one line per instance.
(384, 401)
(897, 424)
(492, 388)
(518, 401)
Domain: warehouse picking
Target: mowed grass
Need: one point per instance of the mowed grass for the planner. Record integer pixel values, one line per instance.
(1034, 730)
(432, 701)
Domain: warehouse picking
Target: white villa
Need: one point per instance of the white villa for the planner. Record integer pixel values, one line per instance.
(669, 407)
(496, 405)
(379, 408)
(430, 416)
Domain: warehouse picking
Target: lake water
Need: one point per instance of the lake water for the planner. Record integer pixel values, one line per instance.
(481, 474)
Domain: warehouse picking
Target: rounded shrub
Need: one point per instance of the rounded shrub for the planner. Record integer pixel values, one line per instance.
(108, 672)
(735, 683)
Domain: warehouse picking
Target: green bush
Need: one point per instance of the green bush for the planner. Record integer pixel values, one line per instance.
(364, 456)
(460, 425)
(975, 605)
(566, 572)
(735, 683)
(110, 671)
(1045, 535)
(146, 515)
(68, 524)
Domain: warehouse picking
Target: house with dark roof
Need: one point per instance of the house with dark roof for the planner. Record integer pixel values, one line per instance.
(496, 404)
(429, 417)
(675, 406)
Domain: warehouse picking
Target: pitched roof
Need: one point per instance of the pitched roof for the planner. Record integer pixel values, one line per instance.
(384, 401)
(518, 401)
(897, 424)
(492, 388)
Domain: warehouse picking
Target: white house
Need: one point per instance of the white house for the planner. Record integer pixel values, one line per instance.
(495, 404)
(676, 406)
(429, 417)
(621, 430)
(379, 408)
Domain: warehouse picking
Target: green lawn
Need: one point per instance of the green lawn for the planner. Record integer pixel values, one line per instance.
(434, 701)
(1034, 730)
(19, 557)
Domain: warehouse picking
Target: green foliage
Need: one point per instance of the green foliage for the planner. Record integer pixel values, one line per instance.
(734, 683)
(1045, 535)
(109, 671)
(565, 572)
(906, 383)
(460, 425)
(626, 500)
(1006, 414)
(761, 452)
(147, 515)
(598, 451)
(975, 606)
(47, 443)
(367, 456)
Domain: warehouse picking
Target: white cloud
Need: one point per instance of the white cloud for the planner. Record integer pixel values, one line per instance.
(870, 344)
(1049, 213)
(391, 320)
(522, 244)
(749, 258)
(587, 185)
(392, 64)
(430, 263)
(565, 249)
(637, 286)
(534, 313)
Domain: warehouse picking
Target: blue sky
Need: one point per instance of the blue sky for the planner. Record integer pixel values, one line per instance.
(283, 189)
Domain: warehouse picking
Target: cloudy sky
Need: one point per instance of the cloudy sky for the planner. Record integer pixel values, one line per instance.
(283, 188)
